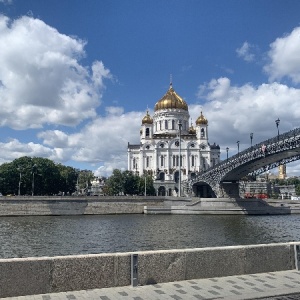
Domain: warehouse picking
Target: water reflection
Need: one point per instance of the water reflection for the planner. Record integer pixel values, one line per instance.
(64, 235)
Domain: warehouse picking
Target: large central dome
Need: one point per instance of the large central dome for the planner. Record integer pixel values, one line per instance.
(171, 101)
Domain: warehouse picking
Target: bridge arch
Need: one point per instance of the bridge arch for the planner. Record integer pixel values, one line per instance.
(203, 190)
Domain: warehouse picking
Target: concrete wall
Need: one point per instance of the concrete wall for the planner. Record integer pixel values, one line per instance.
(22, 206)
(27, 276)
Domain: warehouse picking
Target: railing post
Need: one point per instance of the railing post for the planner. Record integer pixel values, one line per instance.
(134, 269)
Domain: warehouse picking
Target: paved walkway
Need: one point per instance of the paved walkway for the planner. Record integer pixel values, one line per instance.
(283, 285)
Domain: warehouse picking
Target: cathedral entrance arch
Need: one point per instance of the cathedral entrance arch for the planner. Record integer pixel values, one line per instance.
(161, 191)
(203, 190)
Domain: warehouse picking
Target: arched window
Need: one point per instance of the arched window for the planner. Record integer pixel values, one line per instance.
(134, 164)
(162, 176)
(147, 131)
(173, 124)
(176, 176)
(159, 125)
(166, 124)
(193, 161)
(202, 132)
(162, 161)
(147, 162)
(174, 161)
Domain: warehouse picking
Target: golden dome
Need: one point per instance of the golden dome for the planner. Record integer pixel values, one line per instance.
(147, 119)
(171, 100)
(201, 120)
(192, 130)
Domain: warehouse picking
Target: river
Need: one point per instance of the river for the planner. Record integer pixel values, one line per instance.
(65, 235)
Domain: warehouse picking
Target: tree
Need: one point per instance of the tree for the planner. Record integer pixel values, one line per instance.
(8, 179)
(131, 183)
(128, 183)
(115, 183)
(84, 179)
(38, 176)
(68, 178)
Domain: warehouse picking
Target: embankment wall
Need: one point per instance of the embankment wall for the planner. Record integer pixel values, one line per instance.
(28, 276)
(33, 206)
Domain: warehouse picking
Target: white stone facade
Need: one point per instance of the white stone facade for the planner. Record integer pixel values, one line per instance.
(159, 149)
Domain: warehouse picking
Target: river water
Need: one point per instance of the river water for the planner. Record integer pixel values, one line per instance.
(65, 235)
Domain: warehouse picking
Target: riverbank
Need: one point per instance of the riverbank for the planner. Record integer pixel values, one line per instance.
(104, 205)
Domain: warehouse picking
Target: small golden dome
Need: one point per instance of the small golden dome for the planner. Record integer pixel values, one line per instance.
(147, 119)
(201, 120)
(192, 130)
(170, 101)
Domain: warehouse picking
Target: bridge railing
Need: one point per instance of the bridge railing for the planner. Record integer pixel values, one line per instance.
(287, 135)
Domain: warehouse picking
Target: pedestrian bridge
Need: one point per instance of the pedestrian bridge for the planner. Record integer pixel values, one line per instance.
(223, 178)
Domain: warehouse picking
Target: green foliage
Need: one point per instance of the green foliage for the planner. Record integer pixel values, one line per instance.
(289, 181)
(128, 183)
(41, 176)
(38, 176)
(115, 183)
(297, 189)
(84, 178)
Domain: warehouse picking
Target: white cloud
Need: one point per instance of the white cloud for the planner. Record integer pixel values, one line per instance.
(103, 141)
(284, 57)
(6, 1)
(245, 52)
(233, 112)
(41, 78)
(14, 149)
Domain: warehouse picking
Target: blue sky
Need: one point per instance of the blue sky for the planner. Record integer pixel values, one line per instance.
(76, 77)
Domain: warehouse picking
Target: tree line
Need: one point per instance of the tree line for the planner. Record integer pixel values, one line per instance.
(41, 176)
(128, 183)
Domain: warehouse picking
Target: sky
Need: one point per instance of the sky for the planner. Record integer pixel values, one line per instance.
(77, 77)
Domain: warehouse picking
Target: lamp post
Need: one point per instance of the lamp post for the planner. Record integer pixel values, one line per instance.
(179, 178)
(227, 152)
(19, 191)
(145, 184)
(251, 138)
(277, 125)
(238, 145)
(33, 169)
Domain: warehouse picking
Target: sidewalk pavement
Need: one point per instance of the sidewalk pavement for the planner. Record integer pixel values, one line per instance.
(283, 285)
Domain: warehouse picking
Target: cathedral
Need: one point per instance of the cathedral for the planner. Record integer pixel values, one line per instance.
(171, 149)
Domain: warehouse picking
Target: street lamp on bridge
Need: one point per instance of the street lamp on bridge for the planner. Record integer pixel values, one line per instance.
(251, 138)
(238, 145)
(227, 152)
(277, 125)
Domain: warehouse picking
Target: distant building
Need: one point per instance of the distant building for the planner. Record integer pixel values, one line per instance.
(160, 152)
(285, 191)
(255, 189)
(282, 172)
(96, 188)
